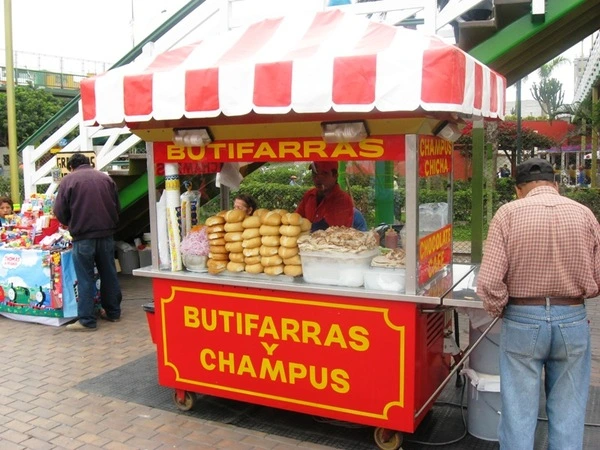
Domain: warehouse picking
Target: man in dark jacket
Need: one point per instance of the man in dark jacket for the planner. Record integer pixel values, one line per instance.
(88, 203)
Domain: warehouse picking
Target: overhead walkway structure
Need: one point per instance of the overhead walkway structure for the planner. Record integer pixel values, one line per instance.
(520, 36)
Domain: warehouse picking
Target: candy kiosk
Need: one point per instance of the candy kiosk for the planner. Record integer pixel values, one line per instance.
(38, 282)
(327, 323)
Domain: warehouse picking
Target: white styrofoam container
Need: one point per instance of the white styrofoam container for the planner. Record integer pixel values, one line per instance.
(336, 268)
(385, 279)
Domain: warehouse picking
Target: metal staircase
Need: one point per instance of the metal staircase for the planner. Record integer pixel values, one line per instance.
(513, 41)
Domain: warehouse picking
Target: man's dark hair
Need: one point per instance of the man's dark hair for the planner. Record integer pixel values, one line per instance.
(77, 160)
(248, 200)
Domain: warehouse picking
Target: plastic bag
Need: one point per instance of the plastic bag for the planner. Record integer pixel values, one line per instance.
(164, 256)
(432, 216)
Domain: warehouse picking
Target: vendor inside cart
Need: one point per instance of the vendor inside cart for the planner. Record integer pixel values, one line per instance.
(326, 204)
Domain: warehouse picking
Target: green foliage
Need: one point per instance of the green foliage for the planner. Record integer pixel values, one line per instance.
(34, 107)
(587, 197)
(550, 95)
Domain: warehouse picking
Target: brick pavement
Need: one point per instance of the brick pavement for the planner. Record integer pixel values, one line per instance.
(41, 407)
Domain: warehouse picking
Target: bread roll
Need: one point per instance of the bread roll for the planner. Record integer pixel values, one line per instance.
(274, 270)
(252, 259)
(269, 230)
(292, 270)
(233, 226)
(269, 261)
(217, 249)
(288, 241)
(236, 257)
(254, 268)
(252, 243)
(289, 230)
(293, 261)
(214, 271)
(305, 224)
(287, 252)
(213, 264)
(270, 241)
(254, 251)
(220, 241)
(235, 266)
(214, 220)
(234, 247)
(271, 218)
(234, 236)
(251, 222)
(219, 256)
(235, 215)
(280, 211)
(222, 213)
(291, 219)
(212, 236)
(260, 212)
(220, 228)
(265, 250)
(250, 233)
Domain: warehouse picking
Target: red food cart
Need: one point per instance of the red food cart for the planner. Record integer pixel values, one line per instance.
(266, 94)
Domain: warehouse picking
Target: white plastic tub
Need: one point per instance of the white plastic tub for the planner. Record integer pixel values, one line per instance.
(336, 268)
(385, 279)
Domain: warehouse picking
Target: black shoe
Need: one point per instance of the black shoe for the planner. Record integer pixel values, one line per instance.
(103, 316)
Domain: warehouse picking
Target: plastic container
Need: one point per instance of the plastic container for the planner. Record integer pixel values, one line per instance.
(484, 405)
(486, 356)
(145, 257)
(336, 268)
(385, 279)
(129, 260)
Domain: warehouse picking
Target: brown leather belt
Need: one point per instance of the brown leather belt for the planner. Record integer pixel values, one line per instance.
(534, 301)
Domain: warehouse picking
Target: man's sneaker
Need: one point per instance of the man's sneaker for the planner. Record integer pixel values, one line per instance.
(77, 326)
(103, 316)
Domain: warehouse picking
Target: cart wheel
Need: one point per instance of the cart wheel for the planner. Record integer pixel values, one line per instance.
(387, 439)
(186, 401)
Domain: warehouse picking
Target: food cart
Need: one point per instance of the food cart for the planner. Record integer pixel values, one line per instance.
(269, 93)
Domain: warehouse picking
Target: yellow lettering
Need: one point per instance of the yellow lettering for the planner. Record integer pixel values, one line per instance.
(226, 315)
(274, 372)
(226, 361)
(268, 328)
(312, 375)
(315, 147)
(296, 371)
(359, 341)
(264, 149)
(335, 335)
(371, 148)
(340, 381)
(212, 326)
(195, 153)
(204, 355)
(190, 317)
(270, 348)
(246, 367)
(289, 148)
(310, 331)
(344, 149)
(250, 323)
(289, 328)
(216, 148)
(175, 153)
(245, 148)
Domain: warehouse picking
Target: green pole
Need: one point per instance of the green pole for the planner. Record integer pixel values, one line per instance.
(477, 190)
(10, 106)
(384, 192)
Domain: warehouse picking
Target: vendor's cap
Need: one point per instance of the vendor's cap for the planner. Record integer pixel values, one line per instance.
(324, 166)
(534, 169)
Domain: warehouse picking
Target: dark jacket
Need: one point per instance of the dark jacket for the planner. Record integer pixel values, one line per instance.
(88, 203)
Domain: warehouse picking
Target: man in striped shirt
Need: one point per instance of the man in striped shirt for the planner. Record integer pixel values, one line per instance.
(541, 260)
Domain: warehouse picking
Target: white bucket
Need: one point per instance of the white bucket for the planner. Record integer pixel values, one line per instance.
(484, 405)
(485, 357)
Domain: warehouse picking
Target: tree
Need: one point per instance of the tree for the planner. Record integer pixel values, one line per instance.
(549, 92)
(506, 136)
(34, 107)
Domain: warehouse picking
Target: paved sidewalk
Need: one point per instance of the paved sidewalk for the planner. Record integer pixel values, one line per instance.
(41, 406)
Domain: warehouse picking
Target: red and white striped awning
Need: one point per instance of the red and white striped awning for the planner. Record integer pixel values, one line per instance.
(318, 63)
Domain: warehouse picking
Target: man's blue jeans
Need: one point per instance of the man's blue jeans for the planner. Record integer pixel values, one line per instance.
(557, 339)
(100, 253)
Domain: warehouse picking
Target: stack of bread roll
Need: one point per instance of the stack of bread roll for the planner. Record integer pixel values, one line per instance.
(269, 250)
(234, 228)
(218, 256)
(251, 242)
(293, 224)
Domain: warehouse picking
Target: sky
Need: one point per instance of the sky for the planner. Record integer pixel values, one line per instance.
(105, 30)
